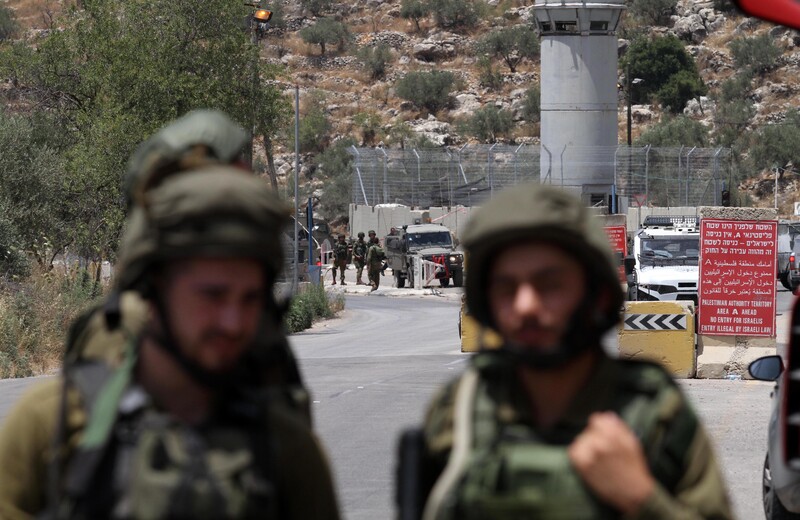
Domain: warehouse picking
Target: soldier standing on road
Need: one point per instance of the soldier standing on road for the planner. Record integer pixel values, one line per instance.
(360, 257)
(340, 251)
(172, 402)
(548, 426)
(375, 258)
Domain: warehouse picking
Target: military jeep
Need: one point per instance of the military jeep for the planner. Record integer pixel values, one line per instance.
(430, 242)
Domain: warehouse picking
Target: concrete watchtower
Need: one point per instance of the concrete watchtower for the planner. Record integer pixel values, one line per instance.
(579, 91)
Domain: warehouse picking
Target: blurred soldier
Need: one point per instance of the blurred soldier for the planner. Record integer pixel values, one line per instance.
(359, 257)
(548, 426)
(340, 251)
(371, 235)
(170, 404)
(375, 258)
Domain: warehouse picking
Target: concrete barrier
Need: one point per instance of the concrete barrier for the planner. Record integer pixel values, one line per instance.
(662, 332)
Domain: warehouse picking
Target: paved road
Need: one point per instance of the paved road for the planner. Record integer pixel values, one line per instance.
(372, 372)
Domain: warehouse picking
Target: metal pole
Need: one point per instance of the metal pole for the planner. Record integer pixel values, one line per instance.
(776, 187)
(716, 176)
(296, 175)
(688, 171)
(516, 159)
(490, 160)
(628, 95)
(647, 174)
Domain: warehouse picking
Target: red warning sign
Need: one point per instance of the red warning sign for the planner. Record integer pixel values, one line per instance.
(618, 238)
(736, 296)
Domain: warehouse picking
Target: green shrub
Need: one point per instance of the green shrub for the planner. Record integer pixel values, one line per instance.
(456, 14)
(335, 169)
(759, 54)
(779, 144)
(511, 44)
(326, 31)
(429, 90)
(531, 109)
(731, 119)
(370, 125)
(489, 123)
(487, 76)
(316, 7)
(652, 12)
(679, 89)
(656, 61)
(310, 304)
(35, 319)
(374, 59)
(414, 10)
(675, 131)
(8, 25)
(315, 126)
(737, 87)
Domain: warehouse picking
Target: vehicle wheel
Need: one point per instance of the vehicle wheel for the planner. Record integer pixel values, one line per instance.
(773, 509)
(632, 293)
(444, 282)
(399, 280)
(458, 278)
(784, 278)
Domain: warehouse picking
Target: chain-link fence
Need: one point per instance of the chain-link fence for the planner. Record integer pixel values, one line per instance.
(683, 176)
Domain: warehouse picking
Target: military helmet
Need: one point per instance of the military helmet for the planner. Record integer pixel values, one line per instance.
(199, 138)
(215, 211)
(360, 234)
(541, 213)
(371, 232)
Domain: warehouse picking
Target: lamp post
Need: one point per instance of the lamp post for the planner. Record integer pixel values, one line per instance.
(629, 95)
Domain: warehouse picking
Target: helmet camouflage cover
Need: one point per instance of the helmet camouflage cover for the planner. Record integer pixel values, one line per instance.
(187, 200)
(538, 213)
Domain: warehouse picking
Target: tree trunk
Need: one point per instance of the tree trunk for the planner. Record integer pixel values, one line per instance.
(273, 175)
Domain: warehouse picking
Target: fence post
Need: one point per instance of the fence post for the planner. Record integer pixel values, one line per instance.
(385, 167)
(614, 186)
(516, 159)
(490, 160)
(358, 174)
(647, 173)
(547, 176)
(688, 171)
(562, 165)
(716, 176)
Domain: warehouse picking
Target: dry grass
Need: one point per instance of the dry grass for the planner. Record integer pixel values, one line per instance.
(35, 318)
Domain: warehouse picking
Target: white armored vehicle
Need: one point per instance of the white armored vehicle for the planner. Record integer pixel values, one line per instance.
(664, 263)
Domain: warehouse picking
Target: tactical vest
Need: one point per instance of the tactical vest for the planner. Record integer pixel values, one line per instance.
(504, 470)
(133, 461)
(376, 256)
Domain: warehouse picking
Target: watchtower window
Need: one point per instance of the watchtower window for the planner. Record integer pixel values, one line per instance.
(566, 27)
(598, 26)
(545, 26)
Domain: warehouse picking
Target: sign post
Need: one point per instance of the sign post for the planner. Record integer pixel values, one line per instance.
(736, 295)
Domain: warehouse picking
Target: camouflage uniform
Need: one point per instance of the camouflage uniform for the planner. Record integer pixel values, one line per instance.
(360, 257)
(94, 444)
(340, 251)
(484, 455)
(375, 257)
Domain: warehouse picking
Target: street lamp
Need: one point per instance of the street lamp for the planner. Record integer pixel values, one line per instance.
(629, 95)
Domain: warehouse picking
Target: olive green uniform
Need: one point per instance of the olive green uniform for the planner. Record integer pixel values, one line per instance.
(679, 453)
(340, 251)
(375, 257)
(359, 258)
(304, 480)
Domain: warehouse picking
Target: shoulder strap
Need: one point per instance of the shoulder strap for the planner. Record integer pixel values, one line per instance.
(462, 442)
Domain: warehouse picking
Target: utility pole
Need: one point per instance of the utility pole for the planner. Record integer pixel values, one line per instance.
(296, 191)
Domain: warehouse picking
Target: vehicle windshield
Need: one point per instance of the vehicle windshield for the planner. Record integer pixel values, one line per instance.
(435, 239)
(670, 251)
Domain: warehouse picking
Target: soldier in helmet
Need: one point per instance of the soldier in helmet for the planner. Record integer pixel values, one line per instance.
(173, 399)
(360, 257)
(548, 426)
(375, 259)
(340, 252)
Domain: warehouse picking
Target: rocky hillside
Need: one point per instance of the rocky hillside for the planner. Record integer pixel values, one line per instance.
(351, 96)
